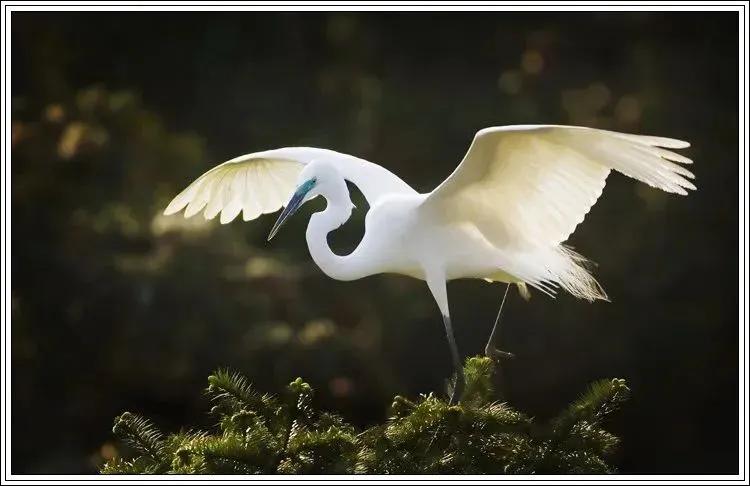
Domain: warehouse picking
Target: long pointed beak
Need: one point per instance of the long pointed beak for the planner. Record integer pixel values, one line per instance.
(291, 207)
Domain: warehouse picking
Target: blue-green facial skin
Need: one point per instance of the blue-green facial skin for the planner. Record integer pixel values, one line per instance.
(305, 187)
(294, 203)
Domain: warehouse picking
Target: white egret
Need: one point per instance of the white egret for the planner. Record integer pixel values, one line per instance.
(502, 215)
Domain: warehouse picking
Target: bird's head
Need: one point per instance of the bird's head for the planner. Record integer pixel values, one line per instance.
(316, 178)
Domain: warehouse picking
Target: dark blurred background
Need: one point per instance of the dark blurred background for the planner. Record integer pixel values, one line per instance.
(116, 307)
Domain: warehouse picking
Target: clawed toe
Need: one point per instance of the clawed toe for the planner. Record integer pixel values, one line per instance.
(497, 354)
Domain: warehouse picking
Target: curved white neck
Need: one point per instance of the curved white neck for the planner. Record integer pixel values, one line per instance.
(339, 267)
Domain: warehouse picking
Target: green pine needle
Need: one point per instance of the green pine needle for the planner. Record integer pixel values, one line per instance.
(232, 391)
(602, 398)
(140, 434)
(262, 434)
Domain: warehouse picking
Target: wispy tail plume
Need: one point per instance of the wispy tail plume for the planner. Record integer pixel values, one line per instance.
(558, 267)
(572, 273)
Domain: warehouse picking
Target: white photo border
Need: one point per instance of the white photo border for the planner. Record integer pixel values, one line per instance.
(372, 6)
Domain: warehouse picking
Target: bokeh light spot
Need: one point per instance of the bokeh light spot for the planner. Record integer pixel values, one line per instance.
(532, 61)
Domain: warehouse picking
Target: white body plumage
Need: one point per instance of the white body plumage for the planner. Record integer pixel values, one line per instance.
(502, 215)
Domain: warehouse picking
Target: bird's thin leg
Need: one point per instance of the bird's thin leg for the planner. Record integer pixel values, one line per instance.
(458, 387)
(491, 350)
(460, 381)
(437, 284)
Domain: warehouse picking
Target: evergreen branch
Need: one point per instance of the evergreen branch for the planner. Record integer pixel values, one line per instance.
(602, 398)
(140, 465)
(141, 434)
(300, 396)
(478, 372)
(233, 392)
(585, 435)
(183, 447)
(265, 434)
(236, 454)
(332, 451)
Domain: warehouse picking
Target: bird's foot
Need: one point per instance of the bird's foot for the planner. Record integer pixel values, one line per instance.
(496, 354)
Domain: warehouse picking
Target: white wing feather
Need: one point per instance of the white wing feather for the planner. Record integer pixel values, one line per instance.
(263, 182)
(528, 187)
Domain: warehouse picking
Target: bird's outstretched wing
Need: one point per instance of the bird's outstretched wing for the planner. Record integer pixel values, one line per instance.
(530, 186)
(263, 182)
